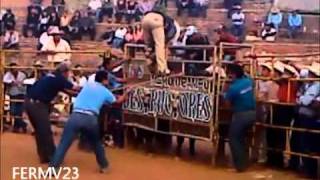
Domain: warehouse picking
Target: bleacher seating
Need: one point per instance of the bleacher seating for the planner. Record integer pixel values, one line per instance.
(254, 9)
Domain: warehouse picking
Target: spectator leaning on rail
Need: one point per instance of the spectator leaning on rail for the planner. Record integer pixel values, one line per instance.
(158, 30)
(84, 119)
(295, 23)
(306, 142)
(13, 81)
(275, 17)
(240, 94)
(267, 92)
(37, 106)
(55, 44)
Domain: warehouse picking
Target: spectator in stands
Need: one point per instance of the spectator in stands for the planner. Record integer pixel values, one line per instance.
(269, 33)
(180, 42)
(145, 6)
(182, 5)
(108, 35)
(138, 34)
(202, 6)
(295, 23)
(121, 9)
(9, 19)
(107, 9)
(95, 7)
(240, 95)
(225, 36)
(196, 38)
(307, 107)
(54, 19)
(44, 22)
(119, 36)
(132, 11)
(59, 6)
(34, 7)
(275, 17)
(11, 39)
(13, 81)
(2, 13)
(65, 20)
(228, 4)
(32, 23)
(74, 27)
(56, 44)
(238, 23)
(87, 26)
(129, 35)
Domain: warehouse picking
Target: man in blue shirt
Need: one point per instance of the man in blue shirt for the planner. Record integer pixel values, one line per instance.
(240, 94)
(37, 106)
(275, 17)
(84, 119)
(295, 23)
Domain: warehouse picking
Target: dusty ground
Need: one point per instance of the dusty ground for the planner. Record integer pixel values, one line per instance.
(19, 150)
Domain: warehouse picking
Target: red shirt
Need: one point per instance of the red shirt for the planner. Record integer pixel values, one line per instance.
(284, 90)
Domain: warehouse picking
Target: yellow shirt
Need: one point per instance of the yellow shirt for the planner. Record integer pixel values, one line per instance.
(61, 46)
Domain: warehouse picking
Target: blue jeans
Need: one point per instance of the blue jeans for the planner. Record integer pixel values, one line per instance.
(241, 123)
(86, 124)
(117, 43)
(238, 30)
(293, 30)
(16, 110)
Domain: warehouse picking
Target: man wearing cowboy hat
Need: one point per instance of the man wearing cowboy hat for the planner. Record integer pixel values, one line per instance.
(306, 142)
(294, 22)
(275, 17)
(56, 44)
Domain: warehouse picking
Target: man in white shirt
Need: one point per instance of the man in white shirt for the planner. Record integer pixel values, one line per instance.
(238, 20)
(13, 81)
(56, 44)
(11, 39)
(119, 37)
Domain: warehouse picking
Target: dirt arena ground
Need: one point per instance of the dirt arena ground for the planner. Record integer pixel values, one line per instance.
(130, 164)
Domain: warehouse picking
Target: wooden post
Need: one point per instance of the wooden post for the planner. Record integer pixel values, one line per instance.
(2, 61)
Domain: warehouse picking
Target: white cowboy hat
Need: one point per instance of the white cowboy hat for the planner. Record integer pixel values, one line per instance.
(315, 68)
(55, 31)
(267, 65)
(279, 66)
(291, 69)
(37, 63)
(274, 10)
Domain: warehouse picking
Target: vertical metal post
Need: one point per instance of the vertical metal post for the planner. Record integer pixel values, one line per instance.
(2, 60)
